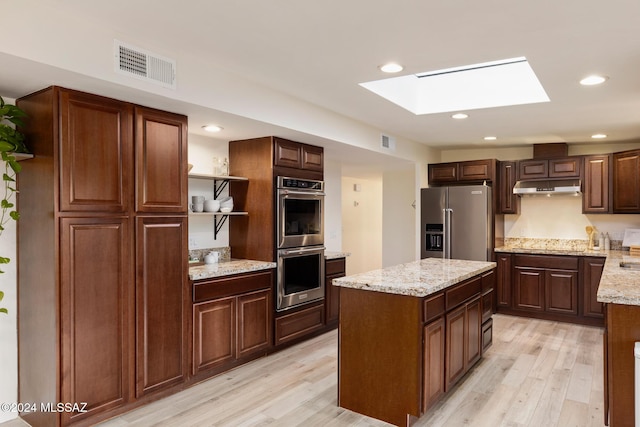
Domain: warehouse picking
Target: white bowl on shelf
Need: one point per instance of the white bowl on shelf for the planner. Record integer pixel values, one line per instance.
(226, 209)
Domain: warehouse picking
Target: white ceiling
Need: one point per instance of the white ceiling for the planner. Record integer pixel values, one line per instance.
(319, 52)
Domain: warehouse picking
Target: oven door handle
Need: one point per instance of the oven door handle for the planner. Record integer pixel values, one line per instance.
(301, 193)
(301, 251)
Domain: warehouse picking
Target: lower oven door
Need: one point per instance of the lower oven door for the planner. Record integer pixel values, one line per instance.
(300, 276)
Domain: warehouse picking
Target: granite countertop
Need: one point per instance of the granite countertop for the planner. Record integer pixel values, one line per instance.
(336, 254)
(227, 268)
(417, 278)
(553, 251)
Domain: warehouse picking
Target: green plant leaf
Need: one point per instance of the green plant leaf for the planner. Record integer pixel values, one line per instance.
(4, 260)
(15, 215)
(15, 165)
(6, 177)
(1, 295)
(4, 310)
(6, 146)
(5, 204)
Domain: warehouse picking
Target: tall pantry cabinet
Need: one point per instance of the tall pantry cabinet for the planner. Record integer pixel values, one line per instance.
(103, 300)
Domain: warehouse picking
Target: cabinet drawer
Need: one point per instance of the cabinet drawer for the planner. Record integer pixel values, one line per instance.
(298, 324)
(544, 261)
(463, 292)
(487, 306)
(433, 307)
(487, 334)
(232, 285)
(334, 267)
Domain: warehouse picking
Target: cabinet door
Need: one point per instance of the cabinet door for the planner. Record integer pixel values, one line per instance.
(561, 291)
(473, 326)
(569, 167)
(214, 333)
(287, 153)
(503, 282)
(591, 274)
(531, 169)
(433, 360)
(161, 161)
(476, 170)
(96, 297)
(254, 323)
(96, 152)
(455, 345)
(529, 288)
(312, 158)
(332, 300)
(162, 298)
(596, 185)
(509, 202)
(626, 182)
(440, 173)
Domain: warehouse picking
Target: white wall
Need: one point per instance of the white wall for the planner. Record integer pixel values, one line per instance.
(333, 206)
(202, 150)
(8, 322)
(399, 212)
(362, 223)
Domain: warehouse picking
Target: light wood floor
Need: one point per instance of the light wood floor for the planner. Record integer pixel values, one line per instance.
(537, 373)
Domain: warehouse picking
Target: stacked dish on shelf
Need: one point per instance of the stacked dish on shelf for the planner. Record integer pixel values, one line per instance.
(226, 204)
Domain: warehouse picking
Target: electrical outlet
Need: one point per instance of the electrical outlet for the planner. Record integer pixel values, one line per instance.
(192, 242)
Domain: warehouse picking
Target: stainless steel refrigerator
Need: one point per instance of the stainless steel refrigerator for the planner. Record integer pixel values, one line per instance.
(456, 222)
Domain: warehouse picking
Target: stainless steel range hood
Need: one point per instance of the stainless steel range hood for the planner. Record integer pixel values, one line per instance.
(547, 188)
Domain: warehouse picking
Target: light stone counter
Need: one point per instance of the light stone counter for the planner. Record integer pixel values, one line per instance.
(553, 251)
(335, 254)
(417, 278)
(227, 268)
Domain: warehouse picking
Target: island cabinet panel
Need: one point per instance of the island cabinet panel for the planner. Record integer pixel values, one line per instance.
(591, 273)
(399, 354)
(434, 363)
(232, 321)
(96, 145)
(595, 194)
(162, 297)
(626, 182)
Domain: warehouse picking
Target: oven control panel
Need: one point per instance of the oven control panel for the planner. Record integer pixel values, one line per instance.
(300, 184)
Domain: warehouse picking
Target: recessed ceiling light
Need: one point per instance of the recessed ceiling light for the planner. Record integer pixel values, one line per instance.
(490, 138)
(459, 116)
(212, 128)
(391, 67)
(490, 84)
(599, 136)
(593, 80)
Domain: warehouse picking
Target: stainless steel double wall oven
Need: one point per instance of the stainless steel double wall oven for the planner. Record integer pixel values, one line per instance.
(300, 241)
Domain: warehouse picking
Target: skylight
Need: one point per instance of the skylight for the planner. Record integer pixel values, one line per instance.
(486, 85)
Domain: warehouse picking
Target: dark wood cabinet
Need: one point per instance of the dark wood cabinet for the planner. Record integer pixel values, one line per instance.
(464, 340)
(96, 294)
(464, 172)
(230, 328)
(503, 280)
(291, 154)
(561, 291)
(591, 273)
(626, 182)
(232, 321)
(569, 167)
(595, 198)
(161, 159)
(293, 325)
(508, 203)
(554, 287)
(96, 157)
(334, 268)
(101, 290)
(433, 363)
(161, 303)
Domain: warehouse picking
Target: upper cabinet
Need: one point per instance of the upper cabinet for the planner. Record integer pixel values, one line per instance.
(296, 155)
(595, 191)
(626, 182)
(569, 167)
(462, 172)
(508, 203)
(161, 158)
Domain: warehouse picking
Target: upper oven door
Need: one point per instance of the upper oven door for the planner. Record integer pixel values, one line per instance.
(300, 218)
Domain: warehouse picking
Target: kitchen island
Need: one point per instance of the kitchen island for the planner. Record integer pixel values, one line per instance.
(409, 333)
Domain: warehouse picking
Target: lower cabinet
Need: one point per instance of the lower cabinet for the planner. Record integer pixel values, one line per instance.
(434, 362)
(555, 287)
(334, 268)
(298, 323)
(231, 321)
(463, 337)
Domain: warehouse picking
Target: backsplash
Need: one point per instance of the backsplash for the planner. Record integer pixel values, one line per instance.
(198, 254)
(577, 245)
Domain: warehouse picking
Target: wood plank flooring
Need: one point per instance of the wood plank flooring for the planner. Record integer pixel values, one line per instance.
(537, 373)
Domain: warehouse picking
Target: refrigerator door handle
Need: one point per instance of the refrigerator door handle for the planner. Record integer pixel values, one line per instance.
(446, 253)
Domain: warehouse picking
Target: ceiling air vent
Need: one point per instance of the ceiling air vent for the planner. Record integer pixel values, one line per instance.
(144, 65)
(387, 142)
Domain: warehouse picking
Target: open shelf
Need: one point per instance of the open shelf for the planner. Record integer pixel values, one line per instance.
(219, 218)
